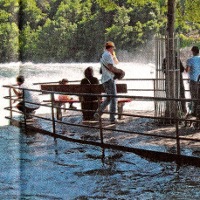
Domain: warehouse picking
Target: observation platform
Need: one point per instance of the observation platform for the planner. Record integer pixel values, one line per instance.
(139, 132)
(136, 133)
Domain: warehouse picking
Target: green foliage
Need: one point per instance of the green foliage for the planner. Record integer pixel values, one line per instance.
(107, 5)
(188, 21)
(28, 43)
(75, 30)
(31, 14)
(9, 33)
(9, 42)
(189, 41)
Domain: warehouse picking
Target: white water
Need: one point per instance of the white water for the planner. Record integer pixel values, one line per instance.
(50, 72)
(34, 166)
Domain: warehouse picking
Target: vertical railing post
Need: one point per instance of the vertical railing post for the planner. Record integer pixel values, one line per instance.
(52, 113)
(10, 103)
(24, 109)
(177, 130)
(100, 120)
(155, 102)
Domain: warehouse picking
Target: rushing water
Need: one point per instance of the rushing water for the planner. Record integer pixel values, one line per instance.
(34, 166)
(38, 73)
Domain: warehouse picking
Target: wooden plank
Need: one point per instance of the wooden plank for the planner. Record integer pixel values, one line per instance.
(77, 88)
(122, 88)
(71, 88)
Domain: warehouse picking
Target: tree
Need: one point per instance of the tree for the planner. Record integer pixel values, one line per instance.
(65, 30)
(9, 33)
(170, 58)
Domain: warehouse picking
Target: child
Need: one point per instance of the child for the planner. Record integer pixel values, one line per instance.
(65, 97)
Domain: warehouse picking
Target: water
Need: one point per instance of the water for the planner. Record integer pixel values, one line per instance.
(38, 73)
(34, 166)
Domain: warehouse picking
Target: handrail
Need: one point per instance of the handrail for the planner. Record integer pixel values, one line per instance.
(101, 128)
(127, 80)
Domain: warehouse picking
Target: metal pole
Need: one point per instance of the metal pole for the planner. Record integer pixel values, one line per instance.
(155, 102)
(178, 151)
(100, 121)
(10, 102)
(24, 110)
(52, 113)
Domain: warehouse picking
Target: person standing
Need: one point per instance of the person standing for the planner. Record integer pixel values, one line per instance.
(178, 65)
(193, 68)
(89, 104)
(108, 62)
(28, 97)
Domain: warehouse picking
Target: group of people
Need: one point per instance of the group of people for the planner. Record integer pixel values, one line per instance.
(108, 62)
(193, 69)
(108, 67)
(108, 70)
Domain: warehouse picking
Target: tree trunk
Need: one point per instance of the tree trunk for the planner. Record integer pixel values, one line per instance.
(170, 58)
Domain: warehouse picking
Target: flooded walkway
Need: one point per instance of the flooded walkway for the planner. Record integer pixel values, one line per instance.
(39, 166)
(138, 133)
(36, 166)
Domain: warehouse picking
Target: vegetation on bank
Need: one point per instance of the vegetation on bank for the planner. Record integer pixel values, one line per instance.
(75, 30)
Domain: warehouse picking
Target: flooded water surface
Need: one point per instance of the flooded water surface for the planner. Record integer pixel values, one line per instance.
(35, 166)
(40, 73)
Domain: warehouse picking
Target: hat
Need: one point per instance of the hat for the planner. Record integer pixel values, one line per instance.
(110, 44)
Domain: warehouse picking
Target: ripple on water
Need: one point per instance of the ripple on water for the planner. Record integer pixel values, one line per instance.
(38, 167)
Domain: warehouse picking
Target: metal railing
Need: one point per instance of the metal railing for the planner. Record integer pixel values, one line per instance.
(101, 128)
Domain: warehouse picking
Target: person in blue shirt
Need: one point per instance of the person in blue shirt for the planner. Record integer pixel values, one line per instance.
(193, 68)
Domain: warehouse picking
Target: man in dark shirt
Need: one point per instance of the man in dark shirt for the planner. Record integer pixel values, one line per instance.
(89, 102)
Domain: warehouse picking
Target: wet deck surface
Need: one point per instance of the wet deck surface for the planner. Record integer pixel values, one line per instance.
(113, 135)
(36, 166)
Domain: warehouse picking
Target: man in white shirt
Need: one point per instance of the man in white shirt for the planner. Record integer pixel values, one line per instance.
(108, 61)
(27, 96)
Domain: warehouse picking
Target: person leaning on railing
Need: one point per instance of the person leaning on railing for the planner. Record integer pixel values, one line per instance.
(193, 68)
(178, 65)
(27, 96)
